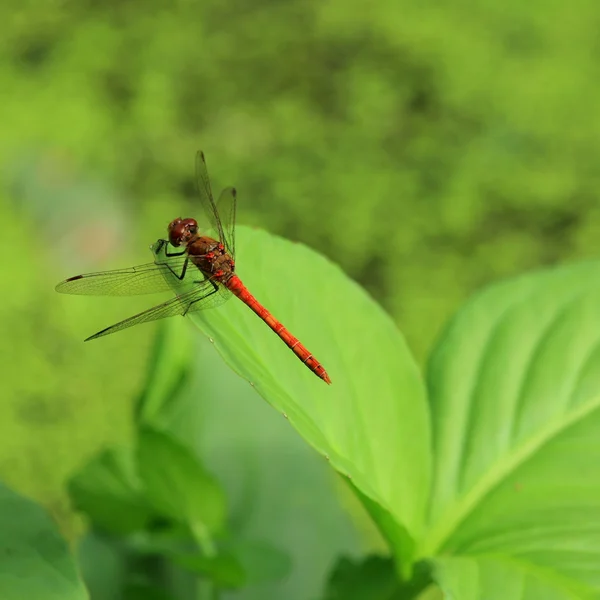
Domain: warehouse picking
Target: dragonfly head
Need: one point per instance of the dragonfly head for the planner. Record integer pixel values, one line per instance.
(182, 231)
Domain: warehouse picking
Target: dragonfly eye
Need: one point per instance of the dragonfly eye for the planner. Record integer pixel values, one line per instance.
(181, 230)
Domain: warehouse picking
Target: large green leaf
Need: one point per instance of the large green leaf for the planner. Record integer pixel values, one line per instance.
(395, 535)
(278, 489)
(372, 422)
(515, 392)
(34, 559)
(501, 577)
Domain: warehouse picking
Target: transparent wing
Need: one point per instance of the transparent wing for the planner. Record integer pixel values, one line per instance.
(176, 272)
(203, 296)
(227, 206)
(226, 210)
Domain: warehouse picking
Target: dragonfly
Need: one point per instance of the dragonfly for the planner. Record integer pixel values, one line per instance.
(198, 268)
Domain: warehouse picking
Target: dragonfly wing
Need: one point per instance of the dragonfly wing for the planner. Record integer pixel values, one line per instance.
(227, 202)
(221, 295)
(227, 206)
(203, 296)
(175, 273)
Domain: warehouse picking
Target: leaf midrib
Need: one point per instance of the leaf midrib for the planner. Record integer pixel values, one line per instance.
(451, 518)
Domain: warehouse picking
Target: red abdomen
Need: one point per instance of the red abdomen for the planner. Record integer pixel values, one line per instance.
(241, 291)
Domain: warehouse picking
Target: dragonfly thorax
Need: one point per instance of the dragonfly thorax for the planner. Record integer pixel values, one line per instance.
(211, 257)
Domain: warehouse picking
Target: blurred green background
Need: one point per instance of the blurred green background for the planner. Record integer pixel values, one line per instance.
(428, 148)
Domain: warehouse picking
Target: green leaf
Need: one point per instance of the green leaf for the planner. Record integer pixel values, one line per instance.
(108, 490)
(372, 578)
(433, 592)
(261, 562)
(372, 422)
(396, 536)
(224, 570)
(165, 538)
(143, 591)
(501, 577)
(239, 563)
(515, 392)
(34, 559)
(278, 488)
(375, 578)
(177, 484)
(167, 371)
(104, 563)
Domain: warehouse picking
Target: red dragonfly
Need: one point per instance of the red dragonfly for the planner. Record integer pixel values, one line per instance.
(202, 274)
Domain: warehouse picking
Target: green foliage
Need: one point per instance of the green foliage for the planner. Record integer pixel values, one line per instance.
(140, 591)
(427, 150)
(514, 392)
(35, 561)
(54, 412)
(499, 577)
(283, 496)
(177, 485)
(241, 564)
(513, 387)
(377, 449)
(500, 503)
(372, 579)
(109, 490)
(162, 504)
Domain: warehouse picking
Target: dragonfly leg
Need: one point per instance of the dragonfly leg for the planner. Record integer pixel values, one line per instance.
(185, 265)
(214, 291)
(170, 254)
(160, 244)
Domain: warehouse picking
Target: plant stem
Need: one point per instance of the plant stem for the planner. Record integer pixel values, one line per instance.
(206, 588)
